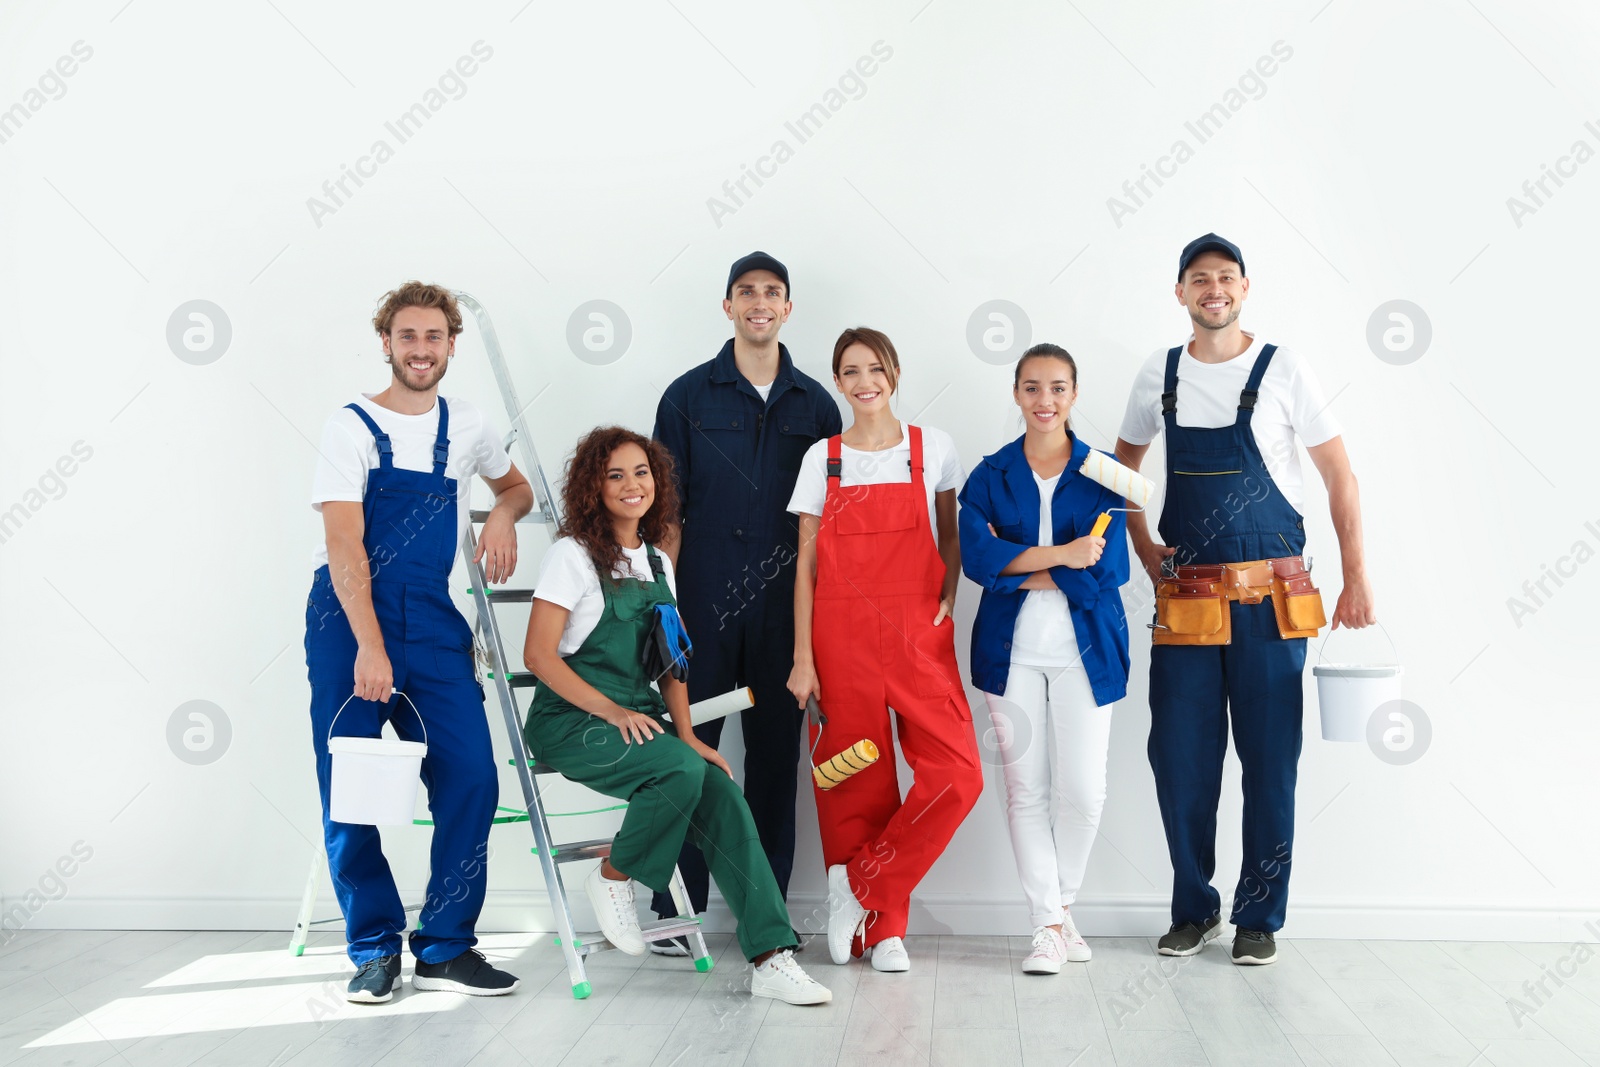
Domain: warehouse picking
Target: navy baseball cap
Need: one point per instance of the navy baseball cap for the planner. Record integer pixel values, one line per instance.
(757, 261)
(1209, 243)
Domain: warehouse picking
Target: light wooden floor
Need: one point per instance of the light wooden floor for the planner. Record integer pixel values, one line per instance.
(173, 998)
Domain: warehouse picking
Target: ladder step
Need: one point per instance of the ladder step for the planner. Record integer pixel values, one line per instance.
(660, 931)
(571, 851)
(535, 767)
(506, 596)
(531, 518)
(519, 679)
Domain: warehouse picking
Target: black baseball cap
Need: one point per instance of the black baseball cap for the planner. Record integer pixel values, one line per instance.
(1209, 243)
(757, 261)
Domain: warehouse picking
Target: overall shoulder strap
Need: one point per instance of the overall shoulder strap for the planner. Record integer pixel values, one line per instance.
(658, 568)
(915, 435)
(835, 464)
(1169, 386)
(441, 442)
(385, 446)
(1252, 387)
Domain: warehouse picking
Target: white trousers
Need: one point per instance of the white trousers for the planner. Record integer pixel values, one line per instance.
(1052, 740)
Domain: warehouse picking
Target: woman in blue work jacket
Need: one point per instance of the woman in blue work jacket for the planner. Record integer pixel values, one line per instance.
(1050, 644)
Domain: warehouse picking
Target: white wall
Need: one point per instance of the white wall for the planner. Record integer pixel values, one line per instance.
(172, 564)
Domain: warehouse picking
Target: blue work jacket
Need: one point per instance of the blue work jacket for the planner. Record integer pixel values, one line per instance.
(1001, 491)
(737, 458)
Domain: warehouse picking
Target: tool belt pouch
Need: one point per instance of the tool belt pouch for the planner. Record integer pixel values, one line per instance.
(1297, 603)
(1192, 611)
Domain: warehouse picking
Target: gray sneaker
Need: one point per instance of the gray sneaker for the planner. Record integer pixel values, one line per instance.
(1254, 947)
(1185, 939)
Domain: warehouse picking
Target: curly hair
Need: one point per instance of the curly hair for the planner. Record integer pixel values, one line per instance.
(584, 515)
(417, 295)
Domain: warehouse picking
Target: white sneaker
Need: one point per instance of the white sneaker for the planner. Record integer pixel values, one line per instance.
(1077, 949)
(780, 978)
(846, 916)
(614, 909)
(890, 955)
(1048, 952)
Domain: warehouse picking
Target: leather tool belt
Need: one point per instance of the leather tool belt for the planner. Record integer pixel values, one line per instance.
(1192, 600)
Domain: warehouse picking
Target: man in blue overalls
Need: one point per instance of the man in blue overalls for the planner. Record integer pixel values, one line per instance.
(1231, 408)
(737, 427)
(393, 485)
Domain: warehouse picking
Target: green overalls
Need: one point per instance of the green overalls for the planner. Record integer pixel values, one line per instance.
(672, 792)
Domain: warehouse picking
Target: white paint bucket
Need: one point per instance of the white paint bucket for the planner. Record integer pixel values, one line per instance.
(374, 779)
(1348, 694)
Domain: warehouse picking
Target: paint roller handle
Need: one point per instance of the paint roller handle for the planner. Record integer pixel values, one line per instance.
(1100, 524)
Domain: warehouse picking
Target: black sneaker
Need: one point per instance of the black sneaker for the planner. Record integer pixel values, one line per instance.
(1254, 947)
(374, 981)
(1185, 939)
(468, 973)
(672, 946)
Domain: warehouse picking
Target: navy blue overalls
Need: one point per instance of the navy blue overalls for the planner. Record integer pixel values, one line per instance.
(1223, 507)
(410, 538)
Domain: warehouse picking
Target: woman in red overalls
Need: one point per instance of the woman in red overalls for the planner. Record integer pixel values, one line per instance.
(874, 589)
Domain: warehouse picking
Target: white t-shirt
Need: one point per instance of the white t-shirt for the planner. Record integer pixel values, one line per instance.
(567, 579)
(941, 470)
(764, 390)
(349, 450)
(1290, 403)
(1043, 635)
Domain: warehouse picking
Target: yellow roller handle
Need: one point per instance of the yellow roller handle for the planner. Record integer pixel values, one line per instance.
(1100, 524)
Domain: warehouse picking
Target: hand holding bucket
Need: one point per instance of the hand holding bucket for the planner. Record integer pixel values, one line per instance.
(374, 779)
(1348, 693)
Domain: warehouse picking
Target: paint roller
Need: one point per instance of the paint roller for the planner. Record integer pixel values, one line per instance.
(704, 711)
(858, 757)
(1124, 481)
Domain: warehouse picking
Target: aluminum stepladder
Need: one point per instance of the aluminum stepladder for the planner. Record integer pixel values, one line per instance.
(506, 682)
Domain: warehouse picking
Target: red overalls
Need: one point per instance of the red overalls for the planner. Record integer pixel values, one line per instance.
(878, 582)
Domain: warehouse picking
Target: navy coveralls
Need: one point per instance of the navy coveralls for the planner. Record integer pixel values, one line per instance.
(1223, 507)
(736, 460)
(410, 539)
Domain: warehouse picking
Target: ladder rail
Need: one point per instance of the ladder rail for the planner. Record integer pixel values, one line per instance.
(490, 626)
(515, 410)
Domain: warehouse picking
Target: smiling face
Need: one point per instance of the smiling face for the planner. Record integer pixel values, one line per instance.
(627, 486)
(1213, 291)
(419, 347)
(758, 306)
(1045, 392)
(866, 382)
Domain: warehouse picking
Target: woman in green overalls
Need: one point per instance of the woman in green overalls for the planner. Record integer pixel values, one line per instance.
(598, 717)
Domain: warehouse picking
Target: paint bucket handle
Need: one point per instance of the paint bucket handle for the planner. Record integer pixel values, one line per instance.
(395, 692)
(1375, 622)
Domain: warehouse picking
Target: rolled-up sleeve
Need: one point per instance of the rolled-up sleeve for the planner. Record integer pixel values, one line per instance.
(983, 555)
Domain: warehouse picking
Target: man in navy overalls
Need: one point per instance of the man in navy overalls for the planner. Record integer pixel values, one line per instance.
(392, 484)
(737, 427)
(1231, 409)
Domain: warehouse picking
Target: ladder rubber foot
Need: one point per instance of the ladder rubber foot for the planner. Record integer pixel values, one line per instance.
(300, 950)
(580, 991)
(704, 964)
